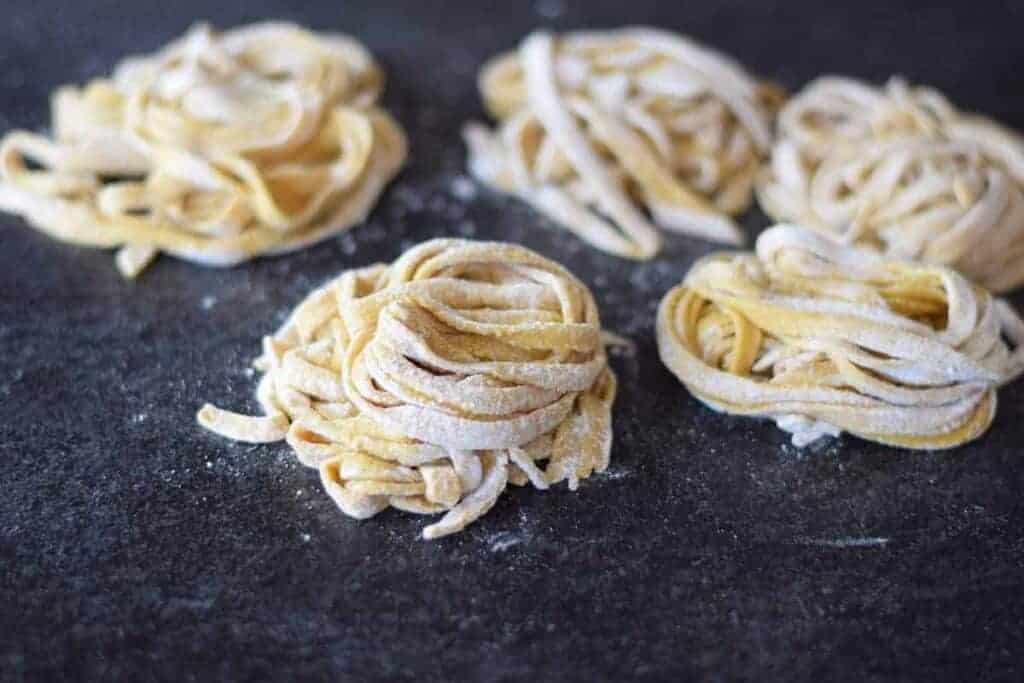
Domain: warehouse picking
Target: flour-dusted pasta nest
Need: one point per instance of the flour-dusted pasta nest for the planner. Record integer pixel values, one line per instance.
(218, 148)
(431, 384)
(900, 170)
(825, 338)
(599, 129)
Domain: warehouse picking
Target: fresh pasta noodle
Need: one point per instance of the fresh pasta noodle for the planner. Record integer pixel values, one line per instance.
(218, 148)
(900, 170)
(432, 383)
(825, 338)
(594, 127)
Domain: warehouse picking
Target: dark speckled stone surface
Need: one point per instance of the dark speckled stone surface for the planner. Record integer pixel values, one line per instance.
(133, 546)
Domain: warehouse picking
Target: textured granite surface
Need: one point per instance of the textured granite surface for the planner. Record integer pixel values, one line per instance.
(133, 546)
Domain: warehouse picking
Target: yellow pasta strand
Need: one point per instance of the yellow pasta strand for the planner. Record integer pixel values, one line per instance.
(825, 338)
(431, 383)
(218, 148)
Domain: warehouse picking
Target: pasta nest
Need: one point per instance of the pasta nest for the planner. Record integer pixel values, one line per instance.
(218, 148)
(825, 338)
(432, 383)
(592, 126)
(900, 170)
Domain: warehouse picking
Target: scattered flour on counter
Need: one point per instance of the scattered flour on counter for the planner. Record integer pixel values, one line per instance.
(208, 302)
(437, 204)
(409, 198)
(373, 232)
(656, 277)
(349, 245)
(504, 540)
(463, 188)
(846, 542)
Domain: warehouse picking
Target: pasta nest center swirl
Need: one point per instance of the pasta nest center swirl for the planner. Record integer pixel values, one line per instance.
(473, 346)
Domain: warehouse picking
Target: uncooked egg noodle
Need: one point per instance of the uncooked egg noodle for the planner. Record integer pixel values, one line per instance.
(595, 127)
(432, 383)
(218, 148)
(901, 170)
(824, 338)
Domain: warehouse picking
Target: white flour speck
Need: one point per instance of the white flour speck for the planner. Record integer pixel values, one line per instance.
(306, 538)
(208, 302)
(463, 188)
(410, 199)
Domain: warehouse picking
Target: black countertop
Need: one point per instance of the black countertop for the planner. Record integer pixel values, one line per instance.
(135, 546)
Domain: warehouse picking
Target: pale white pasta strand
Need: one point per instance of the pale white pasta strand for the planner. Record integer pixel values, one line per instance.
(901, 170)
(431, 383)
(602, 131)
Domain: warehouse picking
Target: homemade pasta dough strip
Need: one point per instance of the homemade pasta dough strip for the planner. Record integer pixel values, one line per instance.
(825, 338)
(603, 131)
(432, 383)
(901, 170)
(218, 148)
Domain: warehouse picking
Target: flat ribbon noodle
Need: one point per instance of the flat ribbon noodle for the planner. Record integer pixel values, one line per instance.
(824, 338)
(592, 126)
(218, 148)
(432, 383)
(901, 170)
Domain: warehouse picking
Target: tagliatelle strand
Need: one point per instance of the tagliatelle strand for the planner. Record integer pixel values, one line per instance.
(217, 148)
(594, 127)
(432, 383)
(825, 338)
(901, 170)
